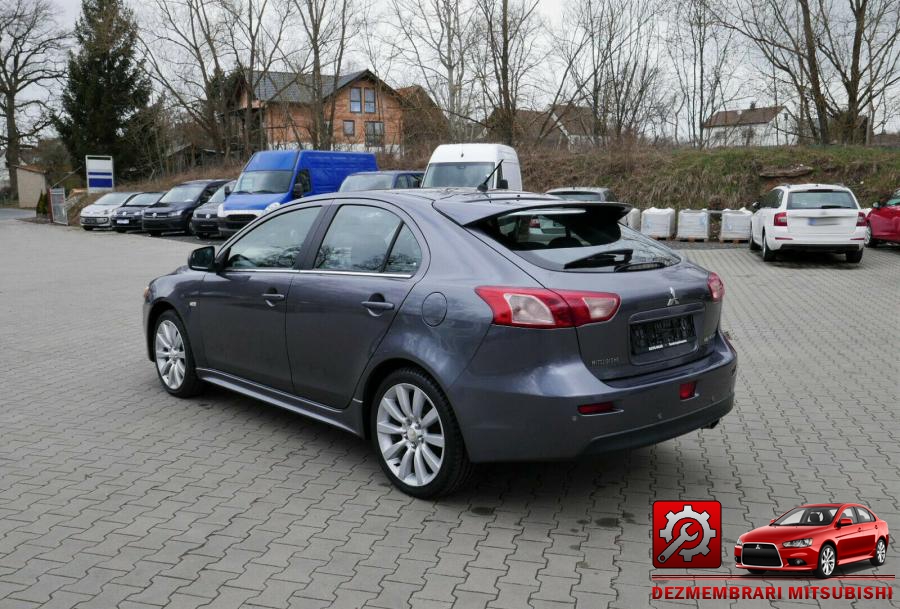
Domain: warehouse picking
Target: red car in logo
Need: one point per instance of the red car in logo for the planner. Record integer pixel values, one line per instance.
(814, 538)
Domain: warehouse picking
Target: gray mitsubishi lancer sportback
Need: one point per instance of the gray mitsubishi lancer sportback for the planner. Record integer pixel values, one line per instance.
(452, 328)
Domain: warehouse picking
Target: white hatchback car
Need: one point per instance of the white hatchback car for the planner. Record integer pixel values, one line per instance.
(808, 217)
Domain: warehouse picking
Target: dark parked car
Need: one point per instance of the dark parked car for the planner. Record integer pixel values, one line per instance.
(172, 213)
(128, 217)
(443, 329)
(205, 221)
(382, 180)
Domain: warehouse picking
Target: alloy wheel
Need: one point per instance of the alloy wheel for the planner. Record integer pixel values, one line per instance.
(881, 551)
(827, 561)
(868, 238)
(410, 434)
(170, 357)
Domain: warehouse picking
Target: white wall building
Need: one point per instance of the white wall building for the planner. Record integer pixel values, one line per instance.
(769, 126)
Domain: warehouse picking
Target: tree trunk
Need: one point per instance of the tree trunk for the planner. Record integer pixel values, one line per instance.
(12, 145)
(814, 80)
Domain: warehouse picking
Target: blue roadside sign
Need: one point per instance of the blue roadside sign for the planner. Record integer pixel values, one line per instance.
(99, 170)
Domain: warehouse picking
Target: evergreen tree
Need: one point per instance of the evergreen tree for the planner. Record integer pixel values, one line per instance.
(107, 89)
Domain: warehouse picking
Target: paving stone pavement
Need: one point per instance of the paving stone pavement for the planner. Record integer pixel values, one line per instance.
(114, 494)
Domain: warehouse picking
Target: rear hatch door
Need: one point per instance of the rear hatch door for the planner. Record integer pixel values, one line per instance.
(822, 213)
(666, 316)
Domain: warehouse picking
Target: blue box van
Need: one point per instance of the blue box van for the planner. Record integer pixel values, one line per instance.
(274, 177)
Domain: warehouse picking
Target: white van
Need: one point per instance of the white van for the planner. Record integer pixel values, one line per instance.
(467, 165)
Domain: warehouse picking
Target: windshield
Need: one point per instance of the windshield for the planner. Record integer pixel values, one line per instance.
(144, 199)
(580, 195)
(821, 199)
(113, 198)
(263, 182)
(186, 193)
(892, 203)
(576, 239)
(368, 181)
(815, 516)
(439, 175)
(219, 195)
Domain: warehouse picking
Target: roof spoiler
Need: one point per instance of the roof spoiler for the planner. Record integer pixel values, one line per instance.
(470, 212)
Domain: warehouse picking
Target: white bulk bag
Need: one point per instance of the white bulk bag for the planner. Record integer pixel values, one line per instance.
(632, 219)
(659, 223)
(735, 224)
(693, 224)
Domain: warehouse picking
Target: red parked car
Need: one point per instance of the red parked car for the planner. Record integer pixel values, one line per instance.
(883, 222)
(814, 537)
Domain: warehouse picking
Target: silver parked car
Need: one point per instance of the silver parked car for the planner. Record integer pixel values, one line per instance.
(442, 327)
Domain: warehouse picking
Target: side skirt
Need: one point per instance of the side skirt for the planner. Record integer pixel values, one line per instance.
(347, 419)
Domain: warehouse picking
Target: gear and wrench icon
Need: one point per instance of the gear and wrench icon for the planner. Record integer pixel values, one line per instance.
(688, 513)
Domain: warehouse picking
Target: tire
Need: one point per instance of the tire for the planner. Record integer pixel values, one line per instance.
(756, 571)
(767, 254)
(827, 562)
(869, 241)
(427, 473)
(754, 246)
(174, 358)
(880, 553)
(854, 257)
(154, 233)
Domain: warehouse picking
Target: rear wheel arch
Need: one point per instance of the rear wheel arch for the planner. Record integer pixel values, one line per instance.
(380, 372)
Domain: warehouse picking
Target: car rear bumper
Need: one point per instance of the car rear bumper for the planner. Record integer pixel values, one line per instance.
(513, 412)
(787, 241)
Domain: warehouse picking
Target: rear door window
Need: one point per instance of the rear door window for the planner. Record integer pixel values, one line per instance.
(578, 239)
(368, 239)
(821, 199)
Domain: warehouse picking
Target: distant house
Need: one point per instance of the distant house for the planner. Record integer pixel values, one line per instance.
(531, 128)
(578, 124)
(368, 113)
(768, 126)
(181, 157)
(424, 125)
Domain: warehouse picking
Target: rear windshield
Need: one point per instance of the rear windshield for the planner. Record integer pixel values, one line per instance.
(821, 199)
(576, 239)
(371, 181)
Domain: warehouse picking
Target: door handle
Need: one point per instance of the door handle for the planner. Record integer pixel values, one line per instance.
(272, 297)
(378, 305)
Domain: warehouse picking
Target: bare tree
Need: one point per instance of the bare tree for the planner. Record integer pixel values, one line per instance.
(839, 56)
(509, 30)
(703, 58)
(31, 45)
(433, 37)
(327, 26)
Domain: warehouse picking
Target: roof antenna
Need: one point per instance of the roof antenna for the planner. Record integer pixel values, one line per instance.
(484, 185)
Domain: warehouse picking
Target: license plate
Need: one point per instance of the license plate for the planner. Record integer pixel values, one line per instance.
(121, 221)
(822, 221)
(653, 336)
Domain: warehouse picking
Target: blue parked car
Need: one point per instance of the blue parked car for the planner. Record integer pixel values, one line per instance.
(274, 177)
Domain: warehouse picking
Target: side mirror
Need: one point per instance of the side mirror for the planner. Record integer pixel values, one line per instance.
(503, 184)
(298, 191)
(754, 206)
(772, 521)
(876, 205)
(202, 259)
(228, 190)
(844, 522)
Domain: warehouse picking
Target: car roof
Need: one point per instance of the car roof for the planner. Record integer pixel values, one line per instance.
(386, 172)
(209, 181)
(812, 186)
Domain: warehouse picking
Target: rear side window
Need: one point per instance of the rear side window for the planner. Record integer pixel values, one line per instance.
(864, 515)
(368, 239)
(586, 239)
(821, 199)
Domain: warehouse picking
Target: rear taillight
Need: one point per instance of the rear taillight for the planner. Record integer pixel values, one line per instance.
(541, 308)
(601, 408)
(780, 219)
(860, 219)
(687, 390)
(716, 287)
